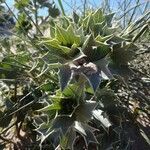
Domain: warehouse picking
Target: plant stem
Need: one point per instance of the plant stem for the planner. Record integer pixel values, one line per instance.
(61, 7)
(124, 18)
(134, 11)
(84, 7)
(36, 15)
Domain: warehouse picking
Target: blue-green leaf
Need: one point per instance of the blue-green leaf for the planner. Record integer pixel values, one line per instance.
(64, 76)
(63, 123)
(102, 64)
(94, 80)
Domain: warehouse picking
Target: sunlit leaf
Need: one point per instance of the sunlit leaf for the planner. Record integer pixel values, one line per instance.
(19, 4)
(79, 128)
(50, 107)
(100, 39)
(98, 114)
(65, 49)
(100, 51)
(98, 16)
(86, 131)
(72, 38)
(51, 42)
(61, 35)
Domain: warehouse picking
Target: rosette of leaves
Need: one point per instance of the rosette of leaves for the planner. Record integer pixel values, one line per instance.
(97, 22)
(53, 10)
(24, 24)
(72, 113)
(93, 64)
(122, 48)
(121, 54)
(79, 54)
(63, 43)
(19, 4)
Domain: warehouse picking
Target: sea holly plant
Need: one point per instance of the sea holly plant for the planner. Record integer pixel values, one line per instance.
(85, 49)
(72, 111)
(59, 88)
(81, 49)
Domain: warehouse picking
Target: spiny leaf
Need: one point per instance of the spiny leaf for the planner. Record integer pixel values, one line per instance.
(67, 37)
(108, 18)
(75, 17)
(72, 38)
(116, 39)
(64, 76)
(71, 137)
(141, 32)
(65, 21)
(45, 131)
(99, 116)
(102, 65)
(98, 16)
(61, 35)
(100, 38)
(85, 22)
(90, 137)
(94, 52)
(121, 70)
(94, 80)
(79, 128)
(90, 23)
(52, 31)
(74, 52)
(63, 123)
(109, 30)
(122, 54)
(50, 107)
(87, 45)
(97, 28)
(83, 112)
(100, 51)
(65, 49)
(51, 42)
(72, 90)
(86, 131)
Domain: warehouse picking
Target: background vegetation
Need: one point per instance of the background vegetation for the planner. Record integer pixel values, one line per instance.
(76, 80)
